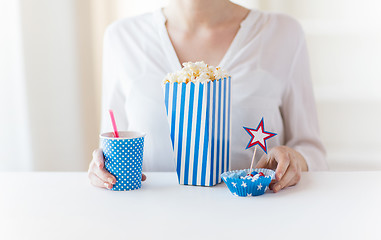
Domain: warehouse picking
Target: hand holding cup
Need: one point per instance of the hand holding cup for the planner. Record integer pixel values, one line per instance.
(98, 174)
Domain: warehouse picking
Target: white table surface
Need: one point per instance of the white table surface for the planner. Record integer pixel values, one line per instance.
(324, 205)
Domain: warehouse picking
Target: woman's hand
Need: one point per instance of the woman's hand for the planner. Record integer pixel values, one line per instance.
(98, 174)
(288, 165)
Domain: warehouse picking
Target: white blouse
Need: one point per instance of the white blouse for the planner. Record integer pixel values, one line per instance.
(269, 66)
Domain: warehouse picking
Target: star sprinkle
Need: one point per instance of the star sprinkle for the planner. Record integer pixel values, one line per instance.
(234, 184)
(249, 194)
(243, 184)
(259, 186)
(259, 136)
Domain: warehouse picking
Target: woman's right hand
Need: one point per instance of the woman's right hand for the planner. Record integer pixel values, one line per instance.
(97, 173)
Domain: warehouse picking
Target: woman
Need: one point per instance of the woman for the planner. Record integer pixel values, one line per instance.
(264, 53)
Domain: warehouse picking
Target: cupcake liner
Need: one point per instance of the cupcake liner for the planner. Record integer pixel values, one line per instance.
(248, 187)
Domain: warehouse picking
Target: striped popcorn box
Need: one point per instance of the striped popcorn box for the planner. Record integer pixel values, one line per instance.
(199, 120)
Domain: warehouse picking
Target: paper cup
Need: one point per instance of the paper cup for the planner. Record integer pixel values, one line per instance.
(248, 187)
(199, 120)
(124, 158)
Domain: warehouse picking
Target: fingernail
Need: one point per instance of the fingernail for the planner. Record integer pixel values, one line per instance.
(107, 185)
(277, 188)
(110, 180)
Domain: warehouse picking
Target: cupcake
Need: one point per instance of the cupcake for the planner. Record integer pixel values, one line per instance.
(242, 183)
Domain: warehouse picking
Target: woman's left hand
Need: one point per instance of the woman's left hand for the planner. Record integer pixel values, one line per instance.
(288, 165)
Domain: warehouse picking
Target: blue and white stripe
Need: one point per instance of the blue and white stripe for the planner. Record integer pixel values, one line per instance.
(199, 119)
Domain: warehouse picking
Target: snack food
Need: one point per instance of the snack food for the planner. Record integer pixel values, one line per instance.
(197, 100)
(241, 183)
(196, 72)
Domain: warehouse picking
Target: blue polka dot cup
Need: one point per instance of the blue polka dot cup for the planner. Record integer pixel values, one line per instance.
(124, 158)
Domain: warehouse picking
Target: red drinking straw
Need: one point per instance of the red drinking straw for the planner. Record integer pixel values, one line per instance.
(116, 134)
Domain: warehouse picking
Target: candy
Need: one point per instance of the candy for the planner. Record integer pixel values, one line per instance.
(246, 177)
(251, 176)
(256, 176)
(248, 183)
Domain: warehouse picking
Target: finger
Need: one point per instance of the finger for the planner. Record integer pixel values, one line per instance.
(144, 177)
(97, 182)
(271, 186)
(104, 175)
(283, 159)
(98, 157)
(99, 169)
(266, 161)
(288, 179)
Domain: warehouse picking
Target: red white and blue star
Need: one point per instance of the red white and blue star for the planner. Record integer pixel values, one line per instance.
(259, 136)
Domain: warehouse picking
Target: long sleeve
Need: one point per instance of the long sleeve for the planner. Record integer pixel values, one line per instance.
(299, 112)
(112, 91)
(269, 54)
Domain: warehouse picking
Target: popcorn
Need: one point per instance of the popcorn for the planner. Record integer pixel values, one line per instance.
(196, 72)
(199, 96)
(219, 73)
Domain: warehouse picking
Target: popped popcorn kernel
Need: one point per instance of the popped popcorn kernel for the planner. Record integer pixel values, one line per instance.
(196, 72)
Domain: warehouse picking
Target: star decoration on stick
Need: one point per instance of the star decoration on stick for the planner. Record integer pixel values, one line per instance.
(259, 136)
